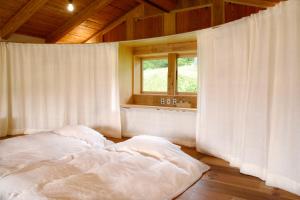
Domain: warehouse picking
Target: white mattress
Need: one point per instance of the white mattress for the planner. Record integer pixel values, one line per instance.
(53, 166)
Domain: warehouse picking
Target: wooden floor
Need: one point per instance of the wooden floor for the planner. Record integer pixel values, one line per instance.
(223, 182)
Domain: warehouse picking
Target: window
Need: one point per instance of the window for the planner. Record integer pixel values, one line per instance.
(187, 74)
(155, 75)
(165, 75)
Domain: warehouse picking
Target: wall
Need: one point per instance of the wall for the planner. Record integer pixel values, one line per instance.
(177, 126)
(145, 21)
(24, 39)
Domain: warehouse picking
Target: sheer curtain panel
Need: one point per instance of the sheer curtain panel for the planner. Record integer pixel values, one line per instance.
(44, 87)
(4, 85)
(249, 100)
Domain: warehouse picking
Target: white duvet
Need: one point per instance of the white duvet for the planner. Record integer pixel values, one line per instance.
(81, 164)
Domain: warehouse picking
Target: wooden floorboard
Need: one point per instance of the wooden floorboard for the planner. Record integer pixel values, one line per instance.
(223, 182)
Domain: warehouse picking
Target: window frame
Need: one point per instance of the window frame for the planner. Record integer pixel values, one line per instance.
(184, 55)
(171, 51)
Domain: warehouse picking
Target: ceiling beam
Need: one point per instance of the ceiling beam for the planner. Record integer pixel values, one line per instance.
(165, 5)
(255, 3)
(77, 19)
(21, 17)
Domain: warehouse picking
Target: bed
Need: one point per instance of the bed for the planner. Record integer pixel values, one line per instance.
(76, 162)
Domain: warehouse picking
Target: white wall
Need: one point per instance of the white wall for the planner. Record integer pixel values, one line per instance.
(177, 126)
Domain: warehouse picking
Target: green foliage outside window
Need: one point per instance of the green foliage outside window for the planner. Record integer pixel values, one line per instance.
(187, 74)
(155, 75)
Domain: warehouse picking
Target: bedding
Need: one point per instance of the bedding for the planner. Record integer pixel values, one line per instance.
(66, 164)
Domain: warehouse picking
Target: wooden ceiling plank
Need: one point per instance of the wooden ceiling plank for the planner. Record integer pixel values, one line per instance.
(255, 3)
(77, 19)
(21, 17)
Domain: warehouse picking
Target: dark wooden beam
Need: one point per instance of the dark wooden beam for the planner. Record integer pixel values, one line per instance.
(163, 5)
(21, 17)
(255, 3)
(166, 4)
(126, 17)
(76, 20)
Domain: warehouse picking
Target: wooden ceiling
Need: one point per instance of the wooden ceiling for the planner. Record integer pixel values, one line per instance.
(93, 20)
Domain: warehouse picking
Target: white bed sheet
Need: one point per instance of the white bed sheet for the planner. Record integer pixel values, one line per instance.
(51, 166)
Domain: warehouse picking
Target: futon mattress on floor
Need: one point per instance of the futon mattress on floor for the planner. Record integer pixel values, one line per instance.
(68, 164)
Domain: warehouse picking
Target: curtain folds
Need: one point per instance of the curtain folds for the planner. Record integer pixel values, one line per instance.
(4, 90)
(249, 100)
(49, 86)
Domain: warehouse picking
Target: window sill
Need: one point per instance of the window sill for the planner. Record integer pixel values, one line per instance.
(128, 106)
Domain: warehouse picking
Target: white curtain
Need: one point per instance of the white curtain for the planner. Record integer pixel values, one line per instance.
(4, 101)
(249, 99)
(49, 86)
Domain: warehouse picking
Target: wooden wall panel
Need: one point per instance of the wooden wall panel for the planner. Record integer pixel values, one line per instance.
(148, 27)
(237, 11)
(192, 20)
(116, 34)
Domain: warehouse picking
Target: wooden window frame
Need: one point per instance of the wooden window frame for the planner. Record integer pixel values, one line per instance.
(162, 50)
(172, 89)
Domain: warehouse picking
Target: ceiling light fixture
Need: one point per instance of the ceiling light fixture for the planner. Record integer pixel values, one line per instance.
(70, 6)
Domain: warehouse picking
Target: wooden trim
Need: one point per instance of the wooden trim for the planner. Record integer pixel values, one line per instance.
(21, 17)
(166, 48)
(255, 3)
(154, 99)
(136, 75)
(172, 66)
(189, 55)
(77, 20)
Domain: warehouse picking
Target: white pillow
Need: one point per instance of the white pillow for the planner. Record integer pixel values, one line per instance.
(160, 149)
(145, 144)
(83, 133)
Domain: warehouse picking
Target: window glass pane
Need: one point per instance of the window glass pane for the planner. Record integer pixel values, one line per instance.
(187, 74)
(155, 75)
